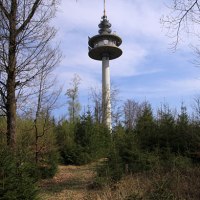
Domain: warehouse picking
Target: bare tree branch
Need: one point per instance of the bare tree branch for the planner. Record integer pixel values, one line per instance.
(179, 20)
(4, 10)
(31, 14)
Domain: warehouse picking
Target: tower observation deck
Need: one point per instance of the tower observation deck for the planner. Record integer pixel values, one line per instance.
(105, 47)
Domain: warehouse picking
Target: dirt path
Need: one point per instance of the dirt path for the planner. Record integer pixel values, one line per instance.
(70, 183)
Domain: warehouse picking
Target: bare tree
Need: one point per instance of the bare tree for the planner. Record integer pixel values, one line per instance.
(72, 93)
(25, 35)
(96, 96)
(116, 111)
(131, 112)
(183, 18)
(196, 108)
(46, 98)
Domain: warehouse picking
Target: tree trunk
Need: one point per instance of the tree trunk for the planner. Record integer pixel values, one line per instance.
(10, 85)
(11, 111)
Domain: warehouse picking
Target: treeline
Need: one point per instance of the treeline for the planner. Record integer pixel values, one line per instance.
(139, 141)
(166, 138)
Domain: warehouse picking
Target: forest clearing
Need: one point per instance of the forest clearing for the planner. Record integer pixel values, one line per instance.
(76, 183)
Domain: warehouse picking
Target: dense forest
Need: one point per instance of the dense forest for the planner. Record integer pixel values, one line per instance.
(161, 147)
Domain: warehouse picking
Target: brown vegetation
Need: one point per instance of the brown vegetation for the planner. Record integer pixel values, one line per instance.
(73, 183)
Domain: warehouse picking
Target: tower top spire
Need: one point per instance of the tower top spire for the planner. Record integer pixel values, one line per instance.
(104, 11)
(104, 24)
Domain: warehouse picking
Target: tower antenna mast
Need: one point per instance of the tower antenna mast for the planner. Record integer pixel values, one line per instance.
(104, 8)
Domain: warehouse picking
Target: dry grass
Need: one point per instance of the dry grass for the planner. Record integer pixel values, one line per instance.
(156, 185)
(71, 183)
(132, 185)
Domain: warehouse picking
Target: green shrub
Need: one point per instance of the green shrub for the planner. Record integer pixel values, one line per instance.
(16, 180)
(108, 172)
(48, 166)
(82, 142)
(125, 158)
(45, 156)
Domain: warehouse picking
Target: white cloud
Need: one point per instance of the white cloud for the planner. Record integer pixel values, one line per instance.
(184, 86)
(137, 22)
(166, 88)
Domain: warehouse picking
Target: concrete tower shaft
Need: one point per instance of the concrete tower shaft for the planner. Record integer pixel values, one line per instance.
(105, 47)
(106, 103)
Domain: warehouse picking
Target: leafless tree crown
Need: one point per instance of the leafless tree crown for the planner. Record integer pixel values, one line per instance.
(183, 18)
(72, 93)
(25, 51)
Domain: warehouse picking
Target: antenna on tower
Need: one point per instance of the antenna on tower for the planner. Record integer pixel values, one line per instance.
(104, 12)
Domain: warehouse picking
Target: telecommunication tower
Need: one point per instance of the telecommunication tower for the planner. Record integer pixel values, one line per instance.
(105, 47)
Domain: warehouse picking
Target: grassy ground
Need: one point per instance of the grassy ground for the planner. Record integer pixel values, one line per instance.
(74, 183)
(70, 183)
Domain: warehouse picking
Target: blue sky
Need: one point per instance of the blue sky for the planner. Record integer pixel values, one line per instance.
(148, 69)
